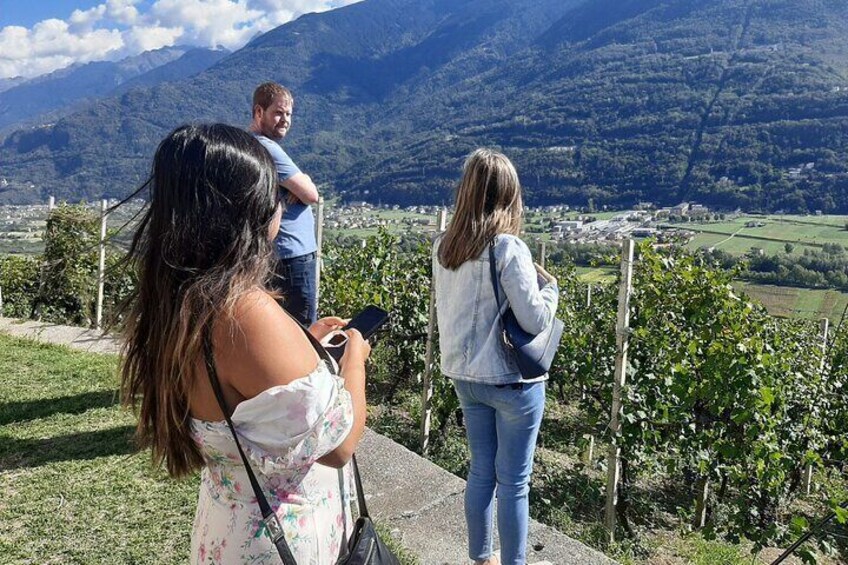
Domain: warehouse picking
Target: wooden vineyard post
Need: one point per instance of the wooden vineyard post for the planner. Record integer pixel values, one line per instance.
(825, 329)
(101, 267)
(427, 378)
(589, 454)
(35, 310)
(542, 252)
(319, 242)
(703, 492)
(622, 331)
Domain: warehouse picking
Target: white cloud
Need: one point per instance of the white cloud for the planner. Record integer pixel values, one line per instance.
(140, 39)
(118, 28)
(85, 19)
(209, 22)
(122, 11)
(51, 44)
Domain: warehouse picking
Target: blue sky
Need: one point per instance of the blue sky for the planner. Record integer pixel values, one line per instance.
(40, 36)
(29, 12)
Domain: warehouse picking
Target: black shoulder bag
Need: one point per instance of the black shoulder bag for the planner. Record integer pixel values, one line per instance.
(364, 546)
(533, 354)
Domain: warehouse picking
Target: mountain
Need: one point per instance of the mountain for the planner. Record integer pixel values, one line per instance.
(60, 91)
(722, 102)
(342, 66)
(726, 102)
(190, 63)
(7, 83)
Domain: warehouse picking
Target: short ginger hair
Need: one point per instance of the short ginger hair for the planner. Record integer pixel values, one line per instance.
(267, 92)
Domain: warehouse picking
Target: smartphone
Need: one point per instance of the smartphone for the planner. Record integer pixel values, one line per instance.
(367, 322)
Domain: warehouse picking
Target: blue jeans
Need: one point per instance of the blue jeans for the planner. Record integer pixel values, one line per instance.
(502, 424)
(295, 278)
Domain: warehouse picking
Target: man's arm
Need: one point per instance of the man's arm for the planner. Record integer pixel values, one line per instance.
(301, 187)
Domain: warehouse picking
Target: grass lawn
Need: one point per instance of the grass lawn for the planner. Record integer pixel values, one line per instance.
(72, 488)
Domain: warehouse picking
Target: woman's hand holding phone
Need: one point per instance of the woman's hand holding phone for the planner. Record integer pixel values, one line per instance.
(323, 327)
(337, 341)
(356, 350)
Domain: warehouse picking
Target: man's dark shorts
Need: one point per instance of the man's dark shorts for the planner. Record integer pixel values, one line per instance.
(295, 278)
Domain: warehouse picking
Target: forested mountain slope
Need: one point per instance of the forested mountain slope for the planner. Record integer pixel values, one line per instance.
(727, 102)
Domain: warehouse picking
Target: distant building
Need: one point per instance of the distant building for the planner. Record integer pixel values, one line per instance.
(570, 226)
(681, 209)
(644, 232)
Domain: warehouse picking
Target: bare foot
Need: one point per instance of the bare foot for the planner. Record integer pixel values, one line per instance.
(490, 561)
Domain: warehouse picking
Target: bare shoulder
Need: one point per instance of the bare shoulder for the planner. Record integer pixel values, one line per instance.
(260, 346)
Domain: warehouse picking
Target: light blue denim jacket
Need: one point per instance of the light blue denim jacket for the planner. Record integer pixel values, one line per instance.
(470, 338)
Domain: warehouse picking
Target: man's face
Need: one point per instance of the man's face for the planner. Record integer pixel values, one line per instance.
(275, 120)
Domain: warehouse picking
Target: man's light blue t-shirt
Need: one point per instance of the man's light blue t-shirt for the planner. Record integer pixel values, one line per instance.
(297, 226)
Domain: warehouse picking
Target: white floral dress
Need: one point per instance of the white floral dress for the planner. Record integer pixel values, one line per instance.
(283, 431)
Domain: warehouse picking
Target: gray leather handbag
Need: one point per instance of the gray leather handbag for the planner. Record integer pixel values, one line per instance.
(533, 354)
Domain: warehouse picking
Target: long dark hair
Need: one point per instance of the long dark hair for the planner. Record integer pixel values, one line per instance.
(488, 203)
(202, 243)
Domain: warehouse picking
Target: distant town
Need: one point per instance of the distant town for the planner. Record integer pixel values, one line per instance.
(22, 227)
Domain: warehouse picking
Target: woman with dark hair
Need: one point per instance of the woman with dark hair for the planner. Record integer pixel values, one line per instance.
(204, 253)
(502, 412)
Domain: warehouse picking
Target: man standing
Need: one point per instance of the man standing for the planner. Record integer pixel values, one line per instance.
(295, 275)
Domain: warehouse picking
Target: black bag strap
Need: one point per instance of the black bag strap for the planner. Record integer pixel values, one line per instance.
(360, 494)
(269, 517)
(493, 269)
(322, 353)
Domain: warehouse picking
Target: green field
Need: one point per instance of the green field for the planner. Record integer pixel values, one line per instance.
(801, 231)
(791, 302)
(597, 275)
(783, 301)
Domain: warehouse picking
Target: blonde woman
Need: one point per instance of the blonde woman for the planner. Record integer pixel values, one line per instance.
(502, 412)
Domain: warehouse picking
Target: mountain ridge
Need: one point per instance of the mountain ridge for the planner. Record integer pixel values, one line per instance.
(59, 92)
(614, 101)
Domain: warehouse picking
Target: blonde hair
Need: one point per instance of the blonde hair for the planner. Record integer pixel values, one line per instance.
(488, 203)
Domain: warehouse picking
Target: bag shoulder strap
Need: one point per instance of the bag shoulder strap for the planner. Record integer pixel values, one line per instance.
(269, 517)
(493, 269)
(322, 353)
